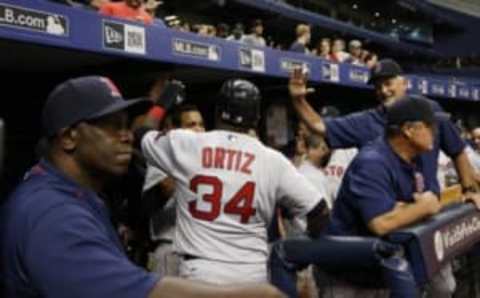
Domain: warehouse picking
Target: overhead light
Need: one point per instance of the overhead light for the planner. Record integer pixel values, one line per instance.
(171, 18)
(377, 14)
(355, 6)
(394, 21)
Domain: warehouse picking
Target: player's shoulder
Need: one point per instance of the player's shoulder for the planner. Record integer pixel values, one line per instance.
(358, 117)
(344, 153)
(276, 158)
(435, 105)
(181, 133)
(364, 114)
(31, 203)
(375, 153)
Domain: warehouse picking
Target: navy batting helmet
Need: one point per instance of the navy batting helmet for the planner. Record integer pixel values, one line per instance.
(239, 103)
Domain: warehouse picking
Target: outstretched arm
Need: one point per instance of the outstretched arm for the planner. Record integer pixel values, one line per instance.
(298, 92)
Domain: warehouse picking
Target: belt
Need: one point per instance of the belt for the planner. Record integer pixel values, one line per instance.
(188, 257)
(161, 241)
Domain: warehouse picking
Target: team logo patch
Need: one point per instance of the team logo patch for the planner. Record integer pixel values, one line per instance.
(111, 86)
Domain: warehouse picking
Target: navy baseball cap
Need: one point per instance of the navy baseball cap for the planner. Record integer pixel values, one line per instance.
(413, 108)
(386, 68)
(85, 98)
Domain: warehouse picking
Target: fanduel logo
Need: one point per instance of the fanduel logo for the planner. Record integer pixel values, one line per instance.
(460, 232)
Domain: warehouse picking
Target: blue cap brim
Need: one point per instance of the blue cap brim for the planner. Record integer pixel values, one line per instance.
(133, 106)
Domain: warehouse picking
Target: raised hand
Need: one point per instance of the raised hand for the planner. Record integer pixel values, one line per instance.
(298, 83)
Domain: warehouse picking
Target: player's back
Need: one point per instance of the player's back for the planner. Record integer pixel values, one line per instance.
(227, 184)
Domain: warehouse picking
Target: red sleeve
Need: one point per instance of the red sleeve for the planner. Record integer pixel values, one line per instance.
(106, 9)
(148, 19)
(157, 113)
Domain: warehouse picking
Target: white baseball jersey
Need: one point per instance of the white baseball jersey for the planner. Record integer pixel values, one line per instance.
(227, 187)
(474, 158)
(162, 223)
(318, 179)
(336, 168)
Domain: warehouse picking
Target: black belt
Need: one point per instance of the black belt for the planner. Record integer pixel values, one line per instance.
(161, 241)
(188, 257)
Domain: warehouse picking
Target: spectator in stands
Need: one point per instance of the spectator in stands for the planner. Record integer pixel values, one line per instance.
(201, 29)
(237, 33)
(364, 55)
(132, 10)
(255, 38)
(211, 31)
(355, 51)
(96, 4)
(223, 30)
(323, 48)
(57, 239)
(303, 39)
(185, 27)
(175, 24)
(371, 60)
(338, 51)
(159, 187)
(151, 7)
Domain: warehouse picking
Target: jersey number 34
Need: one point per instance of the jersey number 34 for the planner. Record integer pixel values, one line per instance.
(240, 204)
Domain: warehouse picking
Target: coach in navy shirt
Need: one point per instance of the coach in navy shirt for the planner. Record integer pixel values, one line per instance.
(383, 190)
(358, 129)
(57, 240)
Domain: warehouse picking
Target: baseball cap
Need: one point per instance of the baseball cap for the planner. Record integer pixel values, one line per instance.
(413, 108)
(85, 98)
(385, 68)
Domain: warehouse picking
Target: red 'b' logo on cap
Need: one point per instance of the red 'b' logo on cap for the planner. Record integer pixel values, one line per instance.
(113, 89)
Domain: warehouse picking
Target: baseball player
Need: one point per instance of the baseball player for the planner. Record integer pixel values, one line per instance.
(336, 167)
(337, 160)
(312, 166)
(158, 185)
(56, 235)
(227, 185)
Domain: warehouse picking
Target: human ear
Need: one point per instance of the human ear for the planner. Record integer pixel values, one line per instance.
(69, 139)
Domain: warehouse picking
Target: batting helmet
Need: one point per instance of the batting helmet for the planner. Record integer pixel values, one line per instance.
(239, 103)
